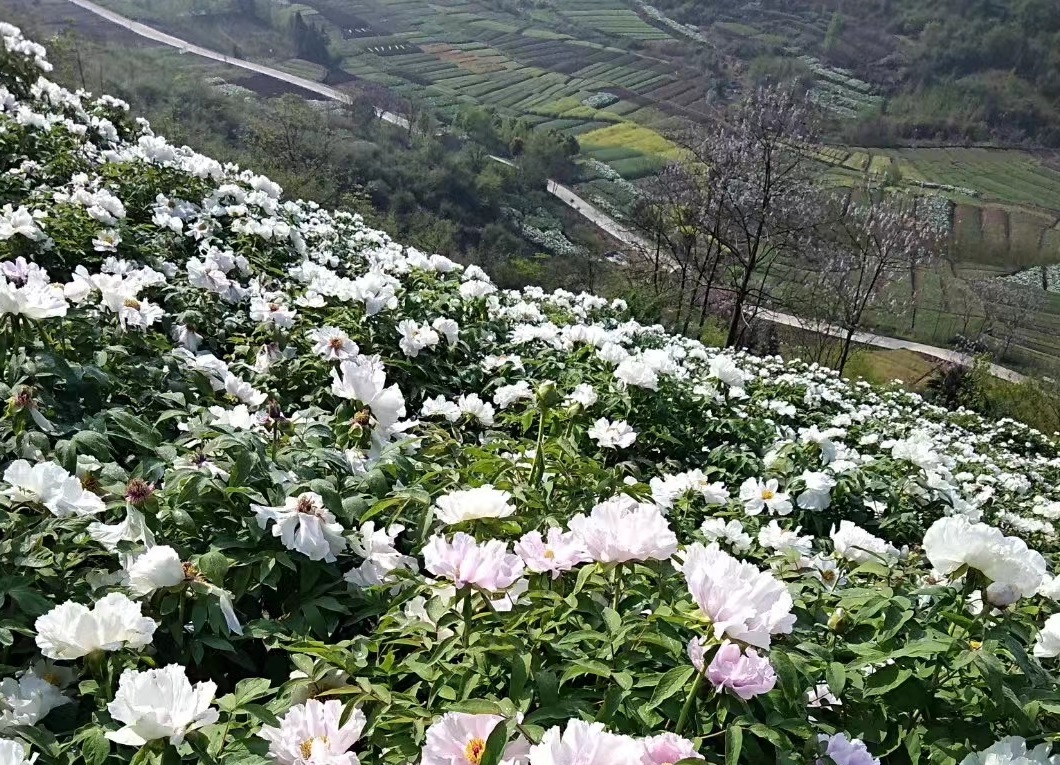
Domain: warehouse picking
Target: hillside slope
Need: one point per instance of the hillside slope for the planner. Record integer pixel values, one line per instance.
(378, 510)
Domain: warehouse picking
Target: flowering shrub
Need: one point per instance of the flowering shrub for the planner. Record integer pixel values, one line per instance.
(277, 489)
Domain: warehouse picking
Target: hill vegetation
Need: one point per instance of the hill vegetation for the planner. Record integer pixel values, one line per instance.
(278, 489)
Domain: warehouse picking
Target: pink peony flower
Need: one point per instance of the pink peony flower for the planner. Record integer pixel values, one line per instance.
(667, 748)
(558, 552)
(487, 566)
(745, 674)
(459, 738)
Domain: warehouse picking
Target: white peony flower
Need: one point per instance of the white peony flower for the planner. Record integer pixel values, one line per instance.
(154, 569)
(48, 484)
(1012, 750)
(955, 541)
(583, 743)
(303, 524)
(622, 529)
(458, 738)
(15, 753)
(333, 344)
(160, 703)
(612, 435)
(28, 699)
(758, 495)
(1047, 644)
(856, 544)
(472, 504)
(742, 602)
(818, 492)
(715, 529)
(311, 734)
(71, 630)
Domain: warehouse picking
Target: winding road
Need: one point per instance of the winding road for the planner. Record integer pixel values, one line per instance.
(584, 208)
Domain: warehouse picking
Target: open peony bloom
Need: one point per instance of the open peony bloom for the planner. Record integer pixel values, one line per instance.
(160, 703)
(858, 545)
(622, 529)
(363, 379)
(582, 743)
(744, 673)
(472, 504)
(1012, 750)
(15, 753)
(558, 552)
(303, 524)
(71, 630)
(48, 484)
(458, 738)
(28, 699)
(159, 567)
(847, 751)
(758, 495)
(612, 435)
(742, 602)
(310, 734)
(486, 566)
(668, 748)
(1047, 645)
(955, 541)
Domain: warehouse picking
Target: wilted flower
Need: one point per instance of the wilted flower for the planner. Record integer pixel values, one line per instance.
(745, 673)
(473, 504)
(160, 703)
(742, 602)
(71, 630)
(305, 525)
(463, 561)
(311, 734)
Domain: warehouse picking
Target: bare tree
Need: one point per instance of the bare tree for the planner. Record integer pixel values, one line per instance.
(764, 199)
(856, 261)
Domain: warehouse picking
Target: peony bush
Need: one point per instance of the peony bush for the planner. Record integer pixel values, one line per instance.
(276, 489)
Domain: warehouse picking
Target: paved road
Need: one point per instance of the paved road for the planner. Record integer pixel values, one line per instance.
(186, 47)
(567, 196)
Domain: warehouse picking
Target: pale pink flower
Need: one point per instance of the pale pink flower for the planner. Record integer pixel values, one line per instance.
(558, 552)
(460, 739)
(745, 673)
(622, 529)
(486, 566)
(583, 743)
(668, 748)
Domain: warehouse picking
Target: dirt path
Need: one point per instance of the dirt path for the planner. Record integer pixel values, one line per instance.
(584, 208)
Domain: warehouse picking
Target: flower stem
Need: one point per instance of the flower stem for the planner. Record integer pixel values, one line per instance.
(688, 703)
(538, 470)
(467, 617)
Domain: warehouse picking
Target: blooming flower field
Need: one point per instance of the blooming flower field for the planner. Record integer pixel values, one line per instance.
(278, 489)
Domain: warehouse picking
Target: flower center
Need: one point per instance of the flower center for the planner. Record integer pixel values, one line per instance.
(131, 303)
(306, 747)
(474, 751)
(306, 506)
(550, 555)
(52, 679)
(336, 343)
(828, 575)
(975, 645)
(768, 494)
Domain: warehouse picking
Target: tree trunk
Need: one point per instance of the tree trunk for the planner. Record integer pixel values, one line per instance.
(737, 310)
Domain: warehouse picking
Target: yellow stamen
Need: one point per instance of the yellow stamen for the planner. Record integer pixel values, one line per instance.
(975, 645)
(306, 747)
(768, 494)
(475, 749)
(550, 555)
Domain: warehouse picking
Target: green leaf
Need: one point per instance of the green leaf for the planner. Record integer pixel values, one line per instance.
(475, 707)
(495, 744)
(95, 748)
(214, 565)
(134, 429)
(733, 745)
(669, 684)
(836, 677)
